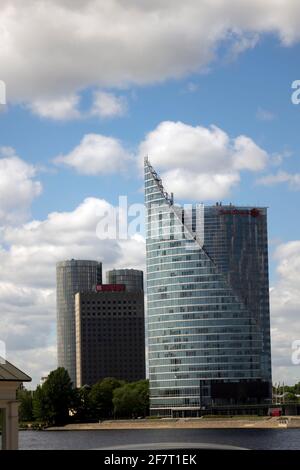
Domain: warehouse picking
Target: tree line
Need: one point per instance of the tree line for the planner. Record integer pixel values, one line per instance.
(56, 402)
(291, 392)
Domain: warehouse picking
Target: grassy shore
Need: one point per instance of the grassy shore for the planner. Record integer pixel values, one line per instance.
(188, 423)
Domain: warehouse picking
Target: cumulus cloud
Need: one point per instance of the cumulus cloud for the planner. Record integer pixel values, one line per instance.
(205, 186)
(28, 255)
(293, 180)
(107, 105)
(205, 158)
(36, 246)
(95, 155)
(65, 46)
(27, 284)
(200, 162)
(240, 41)
(285, 308)
(67, 107)
(18, 187)
(37, 363)
(247, 155)
(27, 315)
(60, 108)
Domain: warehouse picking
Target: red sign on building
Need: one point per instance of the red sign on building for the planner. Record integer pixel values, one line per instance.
(110, 287)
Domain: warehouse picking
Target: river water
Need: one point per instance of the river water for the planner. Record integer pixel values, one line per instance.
(245, 438)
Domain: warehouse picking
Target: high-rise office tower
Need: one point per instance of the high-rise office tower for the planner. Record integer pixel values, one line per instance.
(110, 333)
(208, 304)
(72, 276)
(132, 278)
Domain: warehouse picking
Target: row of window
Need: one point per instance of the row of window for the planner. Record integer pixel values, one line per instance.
(213, 345)
(103, 302)
(193, 324)
(108, 312)
(178, 302)
(211, 352)
(103, 334)
(193, 379)
(228, 311)
(158, 363)
(198, 371)
(215, 331)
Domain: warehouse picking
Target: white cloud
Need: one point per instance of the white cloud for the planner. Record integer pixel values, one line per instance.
(247, 155)
(27, 285)
(27, 277)
(60, 108)
(36, 246)
(205, 186)
(265, 115)
(65, 46)
(278, 158)
(285, 308)
(198, 162)
(240, 41)
(28, 315)
(96, 154)
(18, 187)
(67, 107)
(293, 180)
(107, 105)
(37, 363)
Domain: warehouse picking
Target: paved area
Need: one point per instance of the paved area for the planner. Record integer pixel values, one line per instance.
(189, 423)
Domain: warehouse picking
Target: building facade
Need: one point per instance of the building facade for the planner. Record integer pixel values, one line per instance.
(131, 278)
(208, 303)
(110, 334)
(72, 276)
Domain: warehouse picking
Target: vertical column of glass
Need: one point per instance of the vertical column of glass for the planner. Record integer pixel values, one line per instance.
(198, 329)
(237, 242)
(72, 276)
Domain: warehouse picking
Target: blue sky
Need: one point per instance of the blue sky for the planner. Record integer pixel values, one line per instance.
(203, 84)
(230, 96)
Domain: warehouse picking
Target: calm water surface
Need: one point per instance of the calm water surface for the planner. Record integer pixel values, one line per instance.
(247, 438)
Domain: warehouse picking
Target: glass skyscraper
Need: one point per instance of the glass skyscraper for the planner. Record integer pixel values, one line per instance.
(208, 303)
(131, 278)
(72, 276)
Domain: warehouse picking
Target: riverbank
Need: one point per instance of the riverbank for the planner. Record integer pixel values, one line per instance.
(188, 423)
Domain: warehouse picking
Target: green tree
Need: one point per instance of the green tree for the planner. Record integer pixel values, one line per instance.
(40, 405)
(290, 397)
(54, 398)
(297, 388)
(101, 397)
(132, 400)
(26, 404)
(142, 387)
(82, 403)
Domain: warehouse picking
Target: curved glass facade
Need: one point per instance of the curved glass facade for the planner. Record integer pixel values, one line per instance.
(72, 276)
(132, 278)
(208, 300)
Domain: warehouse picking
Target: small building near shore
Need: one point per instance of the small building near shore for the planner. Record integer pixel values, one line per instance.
(10, 380)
